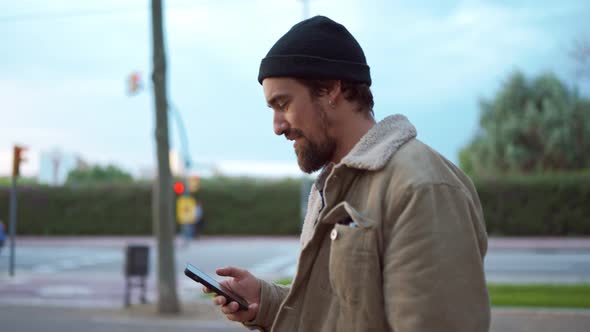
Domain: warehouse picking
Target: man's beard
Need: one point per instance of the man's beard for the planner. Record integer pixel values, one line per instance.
(311, 156)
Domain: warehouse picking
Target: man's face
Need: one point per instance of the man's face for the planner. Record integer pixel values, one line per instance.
(302, 119)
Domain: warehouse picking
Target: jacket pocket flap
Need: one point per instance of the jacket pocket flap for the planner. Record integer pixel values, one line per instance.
(343, 211)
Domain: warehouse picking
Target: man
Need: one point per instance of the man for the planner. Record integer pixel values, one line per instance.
(394, 238)
(2, 235)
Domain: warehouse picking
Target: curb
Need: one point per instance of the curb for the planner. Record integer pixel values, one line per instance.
(542, 311)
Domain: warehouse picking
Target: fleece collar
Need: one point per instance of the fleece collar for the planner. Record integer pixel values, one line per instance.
(380, 143)
(376, 147)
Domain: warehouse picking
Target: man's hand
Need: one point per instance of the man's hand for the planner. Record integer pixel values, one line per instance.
(243, 283)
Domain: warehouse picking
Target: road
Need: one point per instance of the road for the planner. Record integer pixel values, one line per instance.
(90, 271)
(267, 256)
(508, 260)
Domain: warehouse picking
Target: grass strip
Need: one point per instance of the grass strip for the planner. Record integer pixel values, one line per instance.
(526, 295)
(531, 295)
(540, 295)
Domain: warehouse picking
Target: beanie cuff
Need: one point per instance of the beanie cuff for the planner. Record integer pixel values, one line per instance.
(311, 67)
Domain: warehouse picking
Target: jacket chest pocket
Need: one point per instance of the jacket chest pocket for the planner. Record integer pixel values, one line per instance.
(353, 260)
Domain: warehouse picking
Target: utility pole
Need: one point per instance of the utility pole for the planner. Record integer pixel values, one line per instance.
(17, 159)
(305, 9)
(306, 182)
(164, 224)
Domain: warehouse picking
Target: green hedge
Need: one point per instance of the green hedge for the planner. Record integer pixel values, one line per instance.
(535, 206)
(81, 211)
(542, 205)
(250, 206)
(231, 206)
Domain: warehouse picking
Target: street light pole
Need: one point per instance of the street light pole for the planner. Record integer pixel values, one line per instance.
(305, 9)
(13, 206)
(183, 137)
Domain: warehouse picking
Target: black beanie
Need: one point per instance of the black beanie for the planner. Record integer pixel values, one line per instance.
(317, 48)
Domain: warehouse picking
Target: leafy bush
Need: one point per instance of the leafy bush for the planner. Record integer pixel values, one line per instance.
(231, 206)
(543, 205)
(549, 205)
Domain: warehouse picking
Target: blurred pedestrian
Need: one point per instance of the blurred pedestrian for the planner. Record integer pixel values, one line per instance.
(2, 235)
(198, 220)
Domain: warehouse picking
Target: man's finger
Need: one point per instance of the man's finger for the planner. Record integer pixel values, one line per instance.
(219, 300)
(243, 315)
(231, 308)
(231, 271)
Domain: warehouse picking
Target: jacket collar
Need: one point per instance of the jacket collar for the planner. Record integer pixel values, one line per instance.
(376, 147)
(379, 144)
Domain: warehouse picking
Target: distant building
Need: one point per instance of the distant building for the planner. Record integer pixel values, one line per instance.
(55, 165)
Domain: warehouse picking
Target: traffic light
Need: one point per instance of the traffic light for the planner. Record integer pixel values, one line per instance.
(134, 83)
(178, 187)
(17, 159)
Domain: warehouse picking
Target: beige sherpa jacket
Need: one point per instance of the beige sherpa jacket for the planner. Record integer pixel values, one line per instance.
(397, 246)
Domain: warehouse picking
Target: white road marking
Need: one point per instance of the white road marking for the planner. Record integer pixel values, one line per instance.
(275, 266)
(64, 290)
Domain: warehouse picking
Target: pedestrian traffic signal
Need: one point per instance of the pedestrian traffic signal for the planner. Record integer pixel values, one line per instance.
(17, 159)
(179, 187)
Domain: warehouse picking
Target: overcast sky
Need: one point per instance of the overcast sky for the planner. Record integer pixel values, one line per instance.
(64, 64)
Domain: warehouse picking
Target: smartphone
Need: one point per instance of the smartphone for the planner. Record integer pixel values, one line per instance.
(201, 277)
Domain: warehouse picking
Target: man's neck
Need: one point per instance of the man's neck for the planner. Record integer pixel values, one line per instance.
(350, 133)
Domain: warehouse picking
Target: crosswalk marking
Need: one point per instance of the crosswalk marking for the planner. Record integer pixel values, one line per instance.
(81, 259)
(282, 266)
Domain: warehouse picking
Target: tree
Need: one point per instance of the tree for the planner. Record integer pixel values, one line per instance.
(530, 126)
(98, 174)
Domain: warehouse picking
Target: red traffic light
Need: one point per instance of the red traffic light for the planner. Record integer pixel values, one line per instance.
(134, 83)
(17, 159)
(178, 187)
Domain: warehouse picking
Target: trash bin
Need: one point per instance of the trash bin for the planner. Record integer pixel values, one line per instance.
(136, 269)
(136, 260)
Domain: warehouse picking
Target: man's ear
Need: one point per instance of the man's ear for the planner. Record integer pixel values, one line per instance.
(335, 92)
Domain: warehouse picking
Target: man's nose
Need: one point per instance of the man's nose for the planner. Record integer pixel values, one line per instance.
(280, 125)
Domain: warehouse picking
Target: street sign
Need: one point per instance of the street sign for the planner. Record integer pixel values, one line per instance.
(186, 209)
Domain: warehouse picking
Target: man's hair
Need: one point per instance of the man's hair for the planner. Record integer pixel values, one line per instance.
(352, 91)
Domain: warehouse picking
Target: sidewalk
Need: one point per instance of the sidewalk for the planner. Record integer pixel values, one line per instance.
(537, 243)
(539, 320)
(205, 317)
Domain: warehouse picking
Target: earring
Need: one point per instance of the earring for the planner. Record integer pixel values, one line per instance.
(331, 103)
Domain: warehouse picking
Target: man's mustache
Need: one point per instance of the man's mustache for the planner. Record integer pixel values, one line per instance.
(293, 133)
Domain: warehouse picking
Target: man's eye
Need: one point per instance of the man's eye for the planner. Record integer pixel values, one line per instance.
(282, 106)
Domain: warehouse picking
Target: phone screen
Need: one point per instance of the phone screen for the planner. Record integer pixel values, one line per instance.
(201, 277)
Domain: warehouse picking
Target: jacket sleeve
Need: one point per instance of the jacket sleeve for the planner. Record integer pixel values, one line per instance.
(271, 297)
(433, 275)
